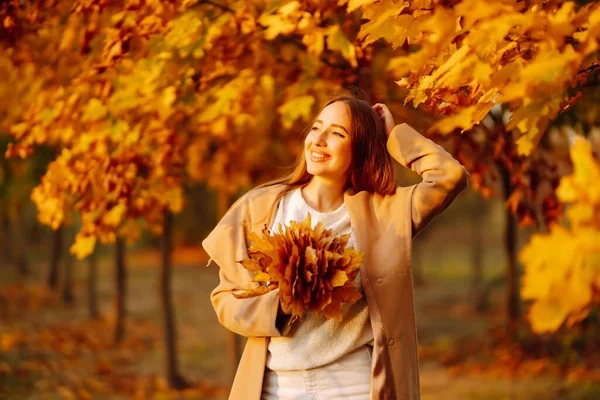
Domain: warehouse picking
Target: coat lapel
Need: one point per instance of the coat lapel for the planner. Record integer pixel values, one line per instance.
(381, 376)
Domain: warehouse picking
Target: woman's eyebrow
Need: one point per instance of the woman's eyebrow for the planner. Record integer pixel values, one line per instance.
(336, 125)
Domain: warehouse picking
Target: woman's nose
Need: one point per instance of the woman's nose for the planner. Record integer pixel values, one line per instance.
(320, 139)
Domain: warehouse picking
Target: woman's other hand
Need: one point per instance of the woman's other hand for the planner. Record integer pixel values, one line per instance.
(385, 113)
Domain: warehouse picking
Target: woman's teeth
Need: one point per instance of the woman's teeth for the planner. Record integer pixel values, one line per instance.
(319, 156)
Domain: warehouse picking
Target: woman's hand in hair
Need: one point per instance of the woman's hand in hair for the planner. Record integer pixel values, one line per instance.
(385, 113)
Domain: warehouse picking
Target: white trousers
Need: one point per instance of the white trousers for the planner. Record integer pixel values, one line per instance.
(348, 378)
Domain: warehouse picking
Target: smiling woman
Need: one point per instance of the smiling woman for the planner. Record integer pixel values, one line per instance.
(343, 179)
(344, 148)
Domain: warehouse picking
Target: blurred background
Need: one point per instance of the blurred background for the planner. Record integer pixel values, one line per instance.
(127, 129)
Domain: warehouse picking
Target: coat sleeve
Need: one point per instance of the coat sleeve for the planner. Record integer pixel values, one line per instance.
(443, 177)
(226, 246)
(255, 316)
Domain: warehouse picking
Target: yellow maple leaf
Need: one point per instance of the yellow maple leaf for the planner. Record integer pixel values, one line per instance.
(173, 198)
(114, 216)
(298, 107)
(276, 25)
(83, 246)
(382, 22)
(354, 4)
(339, 278)
(337, 40)
(94, 111)
(464, 119)
(586, 170)
(546, 315)
(524, 145)
(262, 277)
(315, 42)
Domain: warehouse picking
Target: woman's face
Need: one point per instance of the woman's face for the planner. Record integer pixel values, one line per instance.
(327, 146)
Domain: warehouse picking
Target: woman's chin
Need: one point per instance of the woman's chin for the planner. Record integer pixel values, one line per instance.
(314, 172)
(319, 173)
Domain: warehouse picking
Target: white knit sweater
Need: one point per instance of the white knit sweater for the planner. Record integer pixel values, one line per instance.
(314, 341)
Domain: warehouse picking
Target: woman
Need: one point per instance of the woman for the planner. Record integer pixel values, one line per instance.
(344, 178)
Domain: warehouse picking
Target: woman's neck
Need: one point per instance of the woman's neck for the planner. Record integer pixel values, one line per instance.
(323, 195)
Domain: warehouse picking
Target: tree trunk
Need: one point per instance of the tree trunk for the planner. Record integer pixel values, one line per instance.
(55, 254)
(120, 281)
(93, 285)
(36, 234)
(18, 246)
(67, 296)
(477, 289)
(510, 246)
(170, 336)
(4, 253)
(232, 339)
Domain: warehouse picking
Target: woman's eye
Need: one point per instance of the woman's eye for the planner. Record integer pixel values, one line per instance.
(314, 128)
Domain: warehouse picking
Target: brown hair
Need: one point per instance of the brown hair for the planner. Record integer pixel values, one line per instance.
(371, 168)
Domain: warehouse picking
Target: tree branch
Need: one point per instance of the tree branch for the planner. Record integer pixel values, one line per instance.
(222, 7)
(591, 68)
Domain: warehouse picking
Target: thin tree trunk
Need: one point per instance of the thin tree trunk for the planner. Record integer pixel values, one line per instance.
(36, 234)
(67, 296)
(477, 290)
(55, 255)
(173, 377)
(4, 253)
(18, 240)
(93, 285)
(121, 289)
(510, 246)
(232, 341)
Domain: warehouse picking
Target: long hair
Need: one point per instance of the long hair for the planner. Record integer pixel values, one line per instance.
(371, 168)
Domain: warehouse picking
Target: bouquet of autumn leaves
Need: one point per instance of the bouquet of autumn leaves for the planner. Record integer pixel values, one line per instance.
(312, 268)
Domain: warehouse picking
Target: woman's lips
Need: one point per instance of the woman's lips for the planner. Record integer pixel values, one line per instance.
(318, 157)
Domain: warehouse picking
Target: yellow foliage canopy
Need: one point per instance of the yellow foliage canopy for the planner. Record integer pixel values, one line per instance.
(527, 55)
(562, 268)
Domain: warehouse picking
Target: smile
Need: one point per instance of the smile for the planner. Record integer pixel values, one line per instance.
(319, 157)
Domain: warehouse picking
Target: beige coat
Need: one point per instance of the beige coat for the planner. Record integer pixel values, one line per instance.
(384, 227)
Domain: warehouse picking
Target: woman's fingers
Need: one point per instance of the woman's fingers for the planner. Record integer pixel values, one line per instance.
(380, 109)
(385, 113)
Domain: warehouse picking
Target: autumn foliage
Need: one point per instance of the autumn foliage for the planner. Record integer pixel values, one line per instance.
(141, 98)
(313, 269)
(562, 268)
(138, 101)
(471, 55)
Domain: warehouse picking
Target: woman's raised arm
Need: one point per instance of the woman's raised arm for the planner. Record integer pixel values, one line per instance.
(443, 176)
